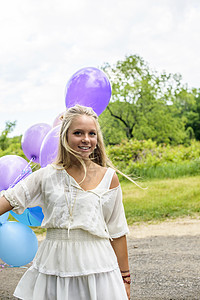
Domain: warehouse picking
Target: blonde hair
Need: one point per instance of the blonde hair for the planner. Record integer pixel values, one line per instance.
(65, 151)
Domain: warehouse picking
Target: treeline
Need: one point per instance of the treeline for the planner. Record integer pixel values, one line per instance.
(148, 105)
(151, 126)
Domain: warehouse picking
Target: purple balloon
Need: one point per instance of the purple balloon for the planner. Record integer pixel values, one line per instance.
(49, 147)
(88, 87)
(32, 140)
(12, 169)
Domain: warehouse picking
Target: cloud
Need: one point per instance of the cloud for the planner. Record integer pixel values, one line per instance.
(43, 43)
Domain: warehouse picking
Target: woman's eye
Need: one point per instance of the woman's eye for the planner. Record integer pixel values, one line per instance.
(77, 133)
(92, 133)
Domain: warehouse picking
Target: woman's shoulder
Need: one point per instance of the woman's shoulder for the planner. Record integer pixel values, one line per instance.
(110, 175)
(114, 181)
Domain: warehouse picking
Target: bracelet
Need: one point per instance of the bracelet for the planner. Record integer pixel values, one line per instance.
(129, 275)
(125, 271)
(126, 276)
(125, 281)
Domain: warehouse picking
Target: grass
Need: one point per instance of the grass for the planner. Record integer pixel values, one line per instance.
(164, 199)
(165, 170)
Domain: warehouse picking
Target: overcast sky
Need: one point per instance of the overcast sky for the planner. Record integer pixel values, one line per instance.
(44, 42)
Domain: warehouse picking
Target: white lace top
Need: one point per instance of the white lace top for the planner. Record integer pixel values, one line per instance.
(99, 211)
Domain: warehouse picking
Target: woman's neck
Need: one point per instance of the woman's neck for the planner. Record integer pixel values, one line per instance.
(76, 164)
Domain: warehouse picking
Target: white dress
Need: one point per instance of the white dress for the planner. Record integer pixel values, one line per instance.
(76, 260)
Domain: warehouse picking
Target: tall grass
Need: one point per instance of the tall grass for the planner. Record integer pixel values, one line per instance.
(148, 160)
(169, 198)
(167, 170)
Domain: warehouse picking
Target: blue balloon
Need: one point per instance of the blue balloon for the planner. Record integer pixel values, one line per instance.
(36, 213)
(4, 217)
(18, 244)
(26, 218)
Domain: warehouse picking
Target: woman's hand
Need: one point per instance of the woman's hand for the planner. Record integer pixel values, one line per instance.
(127, 287)
(127, 281)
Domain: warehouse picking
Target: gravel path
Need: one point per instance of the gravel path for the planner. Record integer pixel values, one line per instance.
(164, 259)
(165, 267)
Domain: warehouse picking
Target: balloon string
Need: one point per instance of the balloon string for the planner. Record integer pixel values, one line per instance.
(3, 266)
(23, 174)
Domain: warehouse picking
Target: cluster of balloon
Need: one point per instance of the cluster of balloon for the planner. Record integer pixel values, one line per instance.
(13, 168)
(14, 240)
(88, 87)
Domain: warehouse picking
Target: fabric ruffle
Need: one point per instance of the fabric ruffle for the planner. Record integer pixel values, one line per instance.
(101, 286)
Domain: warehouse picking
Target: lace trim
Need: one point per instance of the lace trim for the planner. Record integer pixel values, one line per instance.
(14, 203)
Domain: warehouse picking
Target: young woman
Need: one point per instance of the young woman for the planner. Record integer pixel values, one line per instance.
(84, 255)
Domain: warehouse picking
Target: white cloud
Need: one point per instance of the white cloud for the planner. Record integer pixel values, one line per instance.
(44, 42)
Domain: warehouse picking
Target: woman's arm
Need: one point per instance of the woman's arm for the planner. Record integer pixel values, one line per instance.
(4, 205)
(120, 247)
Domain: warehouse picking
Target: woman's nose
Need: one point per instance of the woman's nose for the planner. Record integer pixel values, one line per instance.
(85, 138)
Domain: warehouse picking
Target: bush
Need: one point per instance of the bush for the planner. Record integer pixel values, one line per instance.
(148, 160)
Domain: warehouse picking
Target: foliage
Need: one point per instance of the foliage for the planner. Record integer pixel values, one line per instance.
(147, 159)
(188, 106)
(10, 146)
(3, 137)
(148, 105)
(13, 147)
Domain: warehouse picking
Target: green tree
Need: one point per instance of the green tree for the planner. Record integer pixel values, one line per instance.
(4, 141)
(12, 146)
(142, 103)
(188, 106)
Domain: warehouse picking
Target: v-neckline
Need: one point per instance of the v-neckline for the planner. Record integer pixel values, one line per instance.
(77, 184)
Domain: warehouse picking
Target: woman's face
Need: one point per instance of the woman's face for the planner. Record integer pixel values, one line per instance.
(82, 135)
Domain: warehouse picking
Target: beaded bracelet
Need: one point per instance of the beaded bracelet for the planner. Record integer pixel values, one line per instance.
(126, 276)
(125, 281)
(125, 271)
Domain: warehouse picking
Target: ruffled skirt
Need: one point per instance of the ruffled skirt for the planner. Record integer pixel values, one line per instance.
(80, 266)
